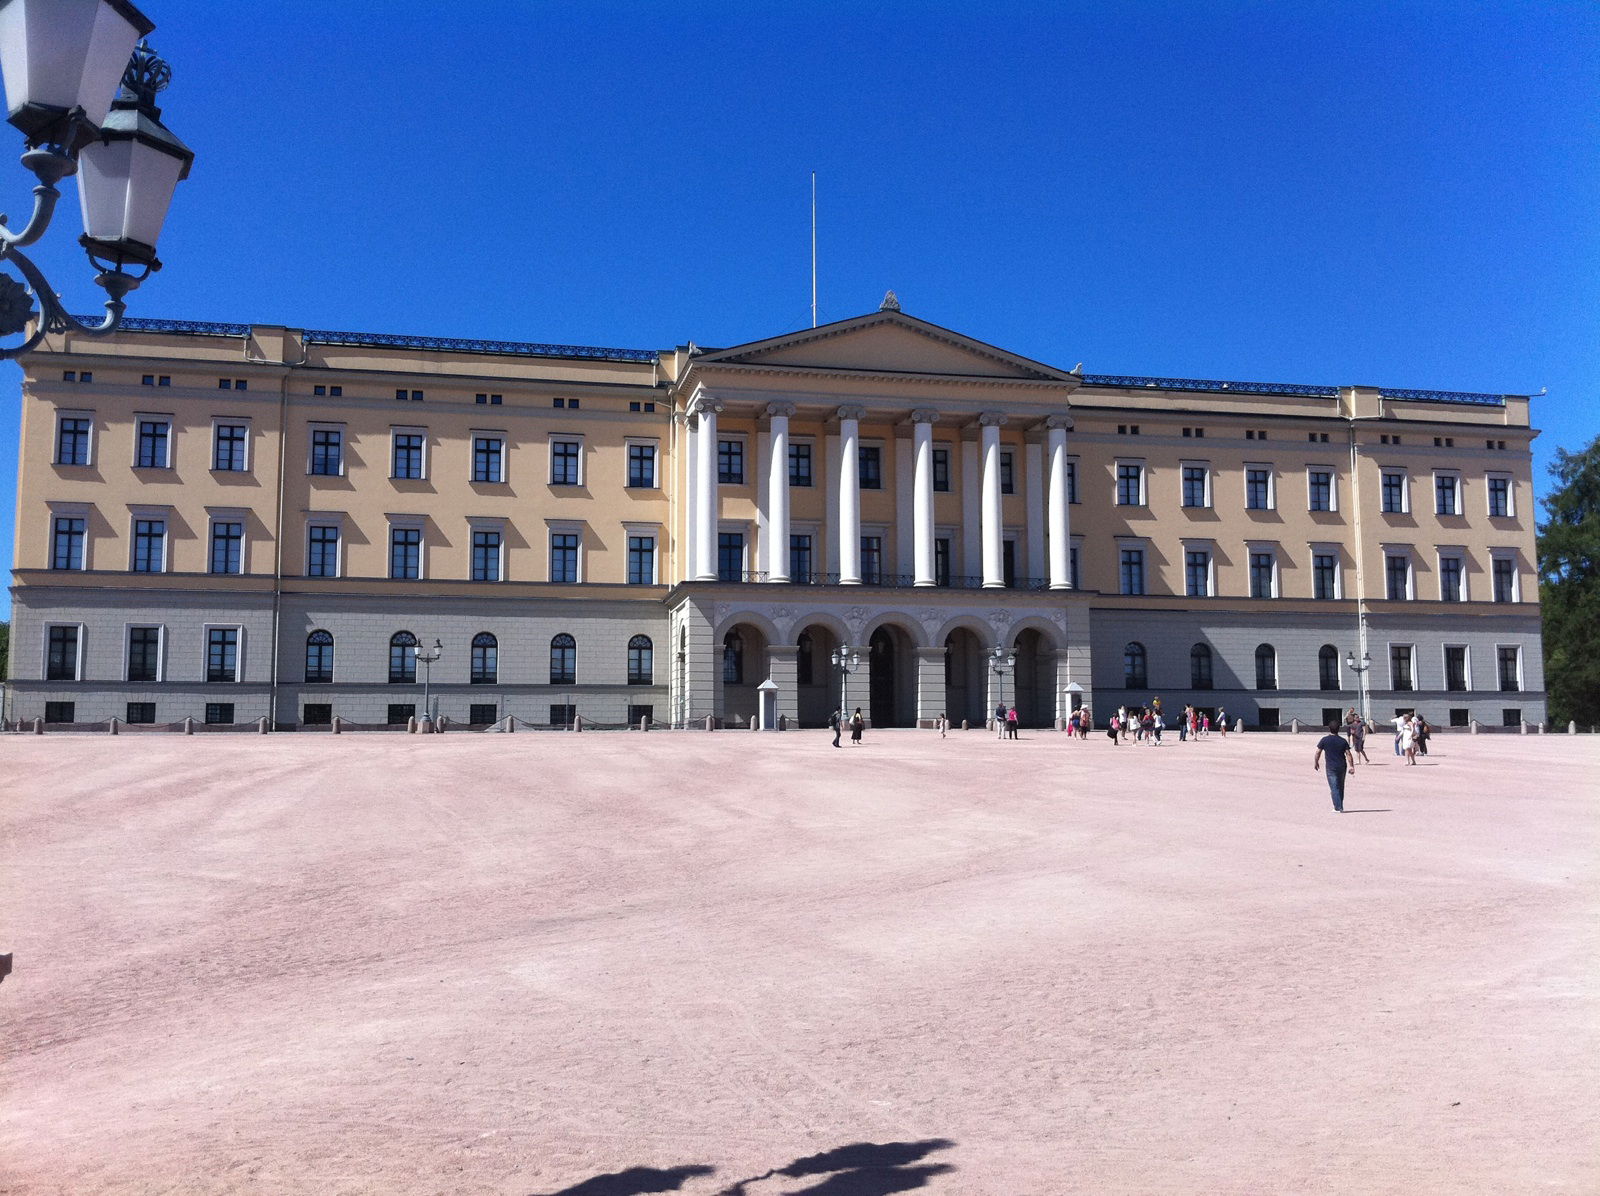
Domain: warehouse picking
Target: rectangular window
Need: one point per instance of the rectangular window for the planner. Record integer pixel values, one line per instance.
(799, 464)
(155, 437)
(1451, 579)
(227, 547)
(1263, 568)
(1505, 579)
(401, 713)
(730, 556)
(564, 557)
(228, 447)
(871, 458)
(61, 660)
(144, 654)
(60, 712)
(322, 551)
(1324, 575)
(941, 471)
(72, 441)
(1196, 485)
(642, 466)
(1133, 570)
(219, 714)
(1510, 716)
(407, 456)
(1455, 667)
(327, 452)
(1072, 481)
(66, 547)
(483, 714)
(1400, 667)
(1197, 573)
(564, 462)
(1446, 494)
(222, 654)
(405, 553)
(872, 560)
(642, 560)
(1397, 576)
(1257, 489)
(1008, 473)
(149, 545)
(1510, 661)
(1499, 488)
(1320, 486)
(1072, 563)
(1394, 492)
(316, 714)
(488, 459)
(485, 555)
(730, 462)
(1008, 563)
(141, 713)
(800, 559)
(1130, 485)
(563, 714)
(941, 561)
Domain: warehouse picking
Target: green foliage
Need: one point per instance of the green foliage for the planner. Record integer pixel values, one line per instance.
(1569, 586)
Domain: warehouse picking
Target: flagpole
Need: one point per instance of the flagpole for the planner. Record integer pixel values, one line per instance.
(813, 249)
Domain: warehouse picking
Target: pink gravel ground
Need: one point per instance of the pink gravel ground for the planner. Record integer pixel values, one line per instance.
(611, 964)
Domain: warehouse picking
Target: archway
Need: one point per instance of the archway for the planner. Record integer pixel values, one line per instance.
(966, 678)
(816, 681)
(742, 666)
(1035, 680)
(892, 685)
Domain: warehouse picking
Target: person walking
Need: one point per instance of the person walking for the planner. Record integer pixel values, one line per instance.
(1334, 746)
(1420, 726)
(1408, 741)
(1356, 729)
(1011, 723)
(1222, 722)
(1112, 728)
(836, 722)
(1000, 721)
(857, 725)
(944, 725)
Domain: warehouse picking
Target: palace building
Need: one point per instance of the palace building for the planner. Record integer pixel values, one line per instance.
(227, 521)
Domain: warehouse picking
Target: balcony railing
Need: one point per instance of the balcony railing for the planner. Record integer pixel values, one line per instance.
(891, 581)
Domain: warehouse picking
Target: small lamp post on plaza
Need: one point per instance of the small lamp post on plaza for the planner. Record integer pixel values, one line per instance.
(1360, 670)
(62, 64)
(427, 656)
(1001, 659)
(847, 660)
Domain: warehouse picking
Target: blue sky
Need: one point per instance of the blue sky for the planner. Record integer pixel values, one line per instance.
(1389, 194)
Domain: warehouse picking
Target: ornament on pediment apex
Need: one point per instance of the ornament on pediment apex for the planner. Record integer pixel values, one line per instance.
(780, 410)
(1059, 420)
(924, 415)
(851, 411)
(991, 419)
(891, 302)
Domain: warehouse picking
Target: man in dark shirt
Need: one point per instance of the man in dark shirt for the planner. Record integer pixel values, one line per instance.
(1339, 761)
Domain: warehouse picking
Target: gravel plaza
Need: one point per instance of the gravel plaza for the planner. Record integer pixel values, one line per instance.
(610, 964)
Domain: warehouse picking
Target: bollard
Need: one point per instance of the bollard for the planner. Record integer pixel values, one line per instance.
(263, 724)
(577, 722)
(964, 725)
(1061, 724)
(38, 726)
(112, 725)
(783, 722)
(644, 722)
(752, 722)
(1294, 726)
(1472, 727)
(1572, 728)
(1541, 729)
(511, 724)
(411, 725)
(711, 723)
(336, 722)
(188, 725)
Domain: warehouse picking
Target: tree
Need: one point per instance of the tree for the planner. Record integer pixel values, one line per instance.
(1569, 586)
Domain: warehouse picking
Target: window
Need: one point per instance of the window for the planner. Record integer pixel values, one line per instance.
(1393, 492)
(1072, 481)
(872, 560)
(405, 553)
(1266, 667)
(144, 654)
(800, 558)
(219, 714)
(1263, 575)
(1257, 488)
(641, 661)
(401, 713)
(563, 714)
(941, 471)
(1328, 667)
(800, 464)
(564, 557)
(1197, 572)
(1400, 677)
(227, 546)
(66, 547)
(732, 659)
(141, 713)
(1510, 716)
(485, 659)
(228, 445)
(1505, 579)
(316, 714)
(1452, 579)
(333, 391)
(1319, 485)
(1460, 716)
(155, 438)
(1130, 484)
(415, 396)
(493, 401)
(941, 561)
(871, 459)
(60, 712)
(1008, 562)
(1324, 575)
(1133, 570)
(1200, 667)
(730, 556)
(1446, 494)
(640, 713)
(149, 545)
(402, 659)
(1008, 473)
(407, 456)
(222, 654)
(483, 714)
(319, 658)
(1509, 658)
(327, 452)
(72, 440)
(485, 554)
(642, 466)
(1134, 674)
(322, 551)
(1196, 486)
(642, 560)
(1455, 667)
(730, 462)
(566, 458)
(563, 660)
(1397, 576)
(1499, 489)
(61, 658)
(488, 459)
(1072, 562)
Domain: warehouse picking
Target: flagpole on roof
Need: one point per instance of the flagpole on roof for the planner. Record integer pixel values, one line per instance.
(813, 249)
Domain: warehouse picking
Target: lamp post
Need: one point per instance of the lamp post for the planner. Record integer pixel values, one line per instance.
(1360, 670)
(1000, 659)
(847, 660)
(427, 656)
(62, 64)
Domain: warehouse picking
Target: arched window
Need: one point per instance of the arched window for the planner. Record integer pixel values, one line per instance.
(803, 660)
(563, 660)
(1328, 666)
(485, 659)
(402, 660)
(1134, 673)
(641, 661)
(732, 659)
(1266, 667)
(1200, 666)
(319, 658)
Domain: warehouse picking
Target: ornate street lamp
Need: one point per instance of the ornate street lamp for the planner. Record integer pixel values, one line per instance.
(62, 60)
(1001, 659)
(427, 656)
(847, 660)
(1360, 670)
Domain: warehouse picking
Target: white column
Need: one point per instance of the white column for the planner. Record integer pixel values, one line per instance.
(922, 496)
(993, 525)
(689, 555)
(778, 493)
(1033, 489)
(971, 511)
(849, 489)
(706, 498)
(1060, 513)
(762, 548)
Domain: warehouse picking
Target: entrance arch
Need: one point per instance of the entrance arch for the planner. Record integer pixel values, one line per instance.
(892, 673)
(966, 678)
(1035, 679)
(816, 681)
(741, 666)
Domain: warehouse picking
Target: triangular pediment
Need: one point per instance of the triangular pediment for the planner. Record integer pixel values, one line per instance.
(885, 342)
